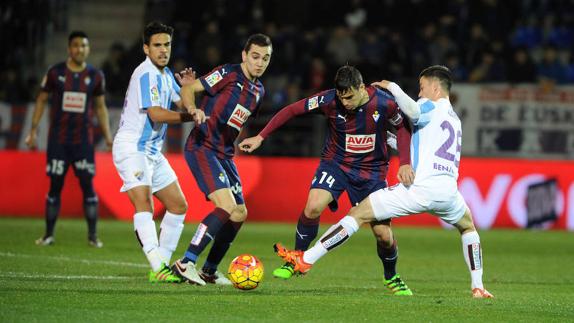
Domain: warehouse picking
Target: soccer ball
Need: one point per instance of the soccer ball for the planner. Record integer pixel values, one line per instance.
(245, 272)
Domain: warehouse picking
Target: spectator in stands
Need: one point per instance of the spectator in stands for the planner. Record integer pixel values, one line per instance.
(550, 68)
(521, 68)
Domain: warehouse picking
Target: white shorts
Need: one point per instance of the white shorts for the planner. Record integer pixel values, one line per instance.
(137, 168)
(398, 200)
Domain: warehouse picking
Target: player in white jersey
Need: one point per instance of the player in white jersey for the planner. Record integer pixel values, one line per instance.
(137, 150)
(435, 149)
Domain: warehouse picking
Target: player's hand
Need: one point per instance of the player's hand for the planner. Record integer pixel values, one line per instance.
(31, 140)
(250, 144)
(406, 175)
(198, 116)
(384, 84)
(185, 77)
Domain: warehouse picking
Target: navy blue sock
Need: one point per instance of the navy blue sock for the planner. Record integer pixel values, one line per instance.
(91, 215)
(220, 245)
(206, 231)
(52, 211)
(389, 257)
(306, 232)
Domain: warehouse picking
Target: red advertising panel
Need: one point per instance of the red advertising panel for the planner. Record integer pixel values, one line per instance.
(276, 189)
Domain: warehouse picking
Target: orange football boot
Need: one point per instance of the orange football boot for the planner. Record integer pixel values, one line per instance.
(294, 257)
(481, 293)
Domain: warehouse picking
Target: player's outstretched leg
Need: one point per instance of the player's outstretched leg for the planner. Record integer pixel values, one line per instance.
(221, 244)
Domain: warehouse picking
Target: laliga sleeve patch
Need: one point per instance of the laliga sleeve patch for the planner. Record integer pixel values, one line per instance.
(213, 78)
(313, 103)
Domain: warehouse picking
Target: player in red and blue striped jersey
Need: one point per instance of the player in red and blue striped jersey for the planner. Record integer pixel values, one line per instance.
(77, 92)
(354, 159)
(233, 93)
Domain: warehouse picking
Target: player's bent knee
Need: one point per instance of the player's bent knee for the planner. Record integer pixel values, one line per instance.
(180, 208)
(313, 210)
(239, 213)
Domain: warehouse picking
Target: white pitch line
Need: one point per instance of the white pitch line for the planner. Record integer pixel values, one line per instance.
(84, 261)
(67, 277)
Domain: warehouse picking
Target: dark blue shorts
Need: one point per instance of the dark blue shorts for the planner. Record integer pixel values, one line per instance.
(80, 157)
(212, 173)
(331, 178)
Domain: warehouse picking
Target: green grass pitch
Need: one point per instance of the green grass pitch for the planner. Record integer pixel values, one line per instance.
(531, 274)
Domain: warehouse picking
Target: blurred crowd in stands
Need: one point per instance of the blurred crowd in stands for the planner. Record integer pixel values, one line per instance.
(480, 40)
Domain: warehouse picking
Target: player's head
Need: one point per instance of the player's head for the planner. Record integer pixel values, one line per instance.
(349, 86)
(78, 47)
(435, 82)
(157, 43)
(256, 55)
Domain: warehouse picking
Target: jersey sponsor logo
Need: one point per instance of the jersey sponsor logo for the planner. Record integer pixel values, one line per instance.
(74, 102)
(214, 78)
(238, 117)
(360, 143)
(313, 103)
(396, 120)
(376, 116)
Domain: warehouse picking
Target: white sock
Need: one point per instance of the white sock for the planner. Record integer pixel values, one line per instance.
(147, 236)
(334, 237)
(473, 256)
(169, 233)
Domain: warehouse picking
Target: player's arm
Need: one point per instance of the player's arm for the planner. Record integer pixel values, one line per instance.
(284, 115)
(103, 119)
(408, 106)
(159, 114)
(190, 85)
(40, 105)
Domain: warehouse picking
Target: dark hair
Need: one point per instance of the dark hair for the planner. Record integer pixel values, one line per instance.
(75, 34)
(156, 27)
(442, 73)
(347, 77)
(259, 40)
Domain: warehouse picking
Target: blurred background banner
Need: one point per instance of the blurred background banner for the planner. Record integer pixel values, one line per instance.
(276, 189)
(499, 120)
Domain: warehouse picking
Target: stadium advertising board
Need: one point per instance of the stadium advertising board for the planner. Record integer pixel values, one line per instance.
(276, 189)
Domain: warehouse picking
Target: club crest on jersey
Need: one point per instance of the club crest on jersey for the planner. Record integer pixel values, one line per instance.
(222, 177)
(360, 144)
(376, 116)
(238, 117)
(214, 78)
(87, 80)
(138, 175)
(313, 103)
